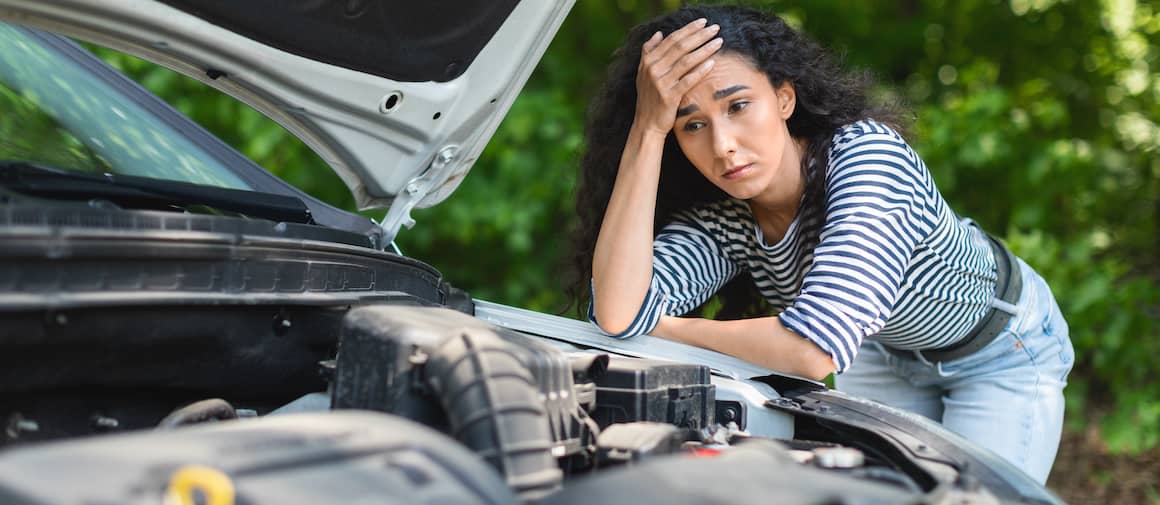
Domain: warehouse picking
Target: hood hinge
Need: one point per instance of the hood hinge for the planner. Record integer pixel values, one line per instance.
(399, 214)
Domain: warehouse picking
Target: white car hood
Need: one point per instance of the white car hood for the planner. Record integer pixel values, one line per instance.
(397, 141)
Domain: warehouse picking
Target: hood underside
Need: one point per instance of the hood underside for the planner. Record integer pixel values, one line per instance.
(398, 97)
(402, 41)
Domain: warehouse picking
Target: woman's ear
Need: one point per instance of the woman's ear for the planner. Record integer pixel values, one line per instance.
(786, 99)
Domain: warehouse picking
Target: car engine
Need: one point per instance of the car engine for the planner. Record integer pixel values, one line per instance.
(464, 409)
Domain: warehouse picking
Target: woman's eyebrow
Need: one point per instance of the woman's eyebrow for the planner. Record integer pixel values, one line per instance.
(688, 109)
(717, 95)
(722, 93)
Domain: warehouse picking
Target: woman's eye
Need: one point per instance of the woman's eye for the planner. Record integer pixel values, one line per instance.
(693, 126)
(738, 106)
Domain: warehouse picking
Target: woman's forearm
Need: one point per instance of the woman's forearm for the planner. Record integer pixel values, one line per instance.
(669, 67)
(622, 262)
(763, 341)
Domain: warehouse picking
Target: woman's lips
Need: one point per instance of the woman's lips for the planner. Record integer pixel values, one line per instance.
(737, 171)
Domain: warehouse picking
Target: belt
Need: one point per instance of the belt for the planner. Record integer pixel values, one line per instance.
(1007, 289)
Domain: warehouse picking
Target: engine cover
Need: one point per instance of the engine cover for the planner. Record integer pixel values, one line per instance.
(339, 457)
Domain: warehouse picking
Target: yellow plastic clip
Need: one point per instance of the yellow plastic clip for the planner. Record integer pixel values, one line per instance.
(215, 486)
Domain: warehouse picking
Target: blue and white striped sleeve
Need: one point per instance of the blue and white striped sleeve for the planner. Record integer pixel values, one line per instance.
(880, 206)
(688, 267)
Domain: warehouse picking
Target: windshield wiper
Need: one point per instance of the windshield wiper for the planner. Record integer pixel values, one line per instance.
(143, 192)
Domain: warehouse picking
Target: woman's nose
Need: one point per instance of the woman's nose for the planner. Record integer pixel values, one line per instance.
(724, 141)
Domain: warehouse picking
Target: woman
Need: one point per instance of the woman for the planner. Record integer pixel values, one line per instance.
(727, 152)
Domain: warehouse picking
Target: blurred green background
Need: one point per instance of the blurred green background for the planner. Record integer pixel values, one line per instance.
(1038, 118)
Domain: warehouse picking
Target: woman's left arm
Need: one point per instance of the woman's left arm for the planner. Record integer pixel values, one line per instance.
(763, 341)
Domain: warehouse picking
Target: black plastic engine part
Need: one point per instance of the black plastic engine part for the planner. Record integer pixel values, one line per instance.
(63, 257)
(381, 354)
(585, 368)
(493, 405)
(383, 364)
(633, 442)
(757, 472)
(731, 412)
(336, 457)
(650, 390)
(219, 350)
(64, 412)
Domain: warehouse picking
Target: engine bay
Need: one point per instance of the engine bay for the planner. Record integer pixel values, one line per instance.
(545, 421)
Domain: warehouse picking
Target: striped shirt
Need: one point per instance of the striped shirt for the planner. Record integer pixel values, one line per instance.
(892, 261)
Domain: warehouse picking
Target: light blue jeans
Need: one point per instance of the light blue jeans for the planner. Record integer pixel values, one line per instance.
(1007, 396)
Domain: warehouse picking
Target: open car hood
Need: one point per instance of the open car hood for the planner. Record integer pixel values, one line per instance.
(398, 97)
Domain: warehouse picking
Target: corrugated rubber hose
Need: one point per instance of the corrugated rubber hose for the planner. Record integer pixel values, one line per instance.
(494, 406)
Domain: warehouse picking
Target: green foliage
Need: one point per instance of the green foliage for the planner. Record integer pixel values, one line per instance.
(1038, 118)
(1043, 136)
(514, 211)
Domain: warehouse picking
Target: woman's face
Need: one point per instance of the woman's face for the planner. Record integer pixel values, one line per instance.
(732, 127)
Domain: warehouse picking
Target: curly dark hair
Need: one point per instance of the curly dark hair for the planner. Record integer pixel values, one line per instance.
(828, 97)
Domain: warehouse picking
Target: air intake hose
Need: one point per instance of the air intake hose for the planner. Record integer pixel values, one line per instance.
(494, 406)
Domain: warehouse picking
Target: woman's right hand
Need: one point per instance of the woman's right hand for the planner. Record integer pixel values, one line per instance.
(670, 67)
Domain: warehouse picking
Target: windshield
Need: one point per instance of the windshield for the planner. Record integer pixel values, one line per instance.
(54, 112)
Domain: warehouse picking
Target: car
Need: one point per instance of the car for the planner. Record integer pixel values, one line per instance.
(181, 326)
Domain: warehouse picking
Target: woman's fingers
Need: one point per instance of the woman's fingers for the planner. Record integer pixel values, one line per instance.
(669, 66)
(673, 49)
(695, 62)
(651, 43)
(680, 34)
(692, 77)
